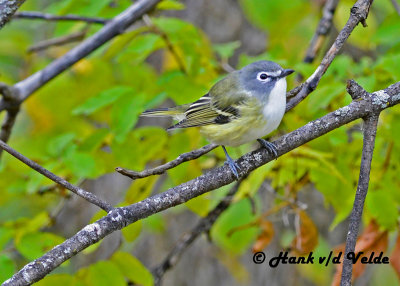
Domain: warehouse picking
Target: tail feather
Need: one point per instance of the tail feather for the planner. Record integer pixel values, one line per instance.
(159, 112)
(177, 112)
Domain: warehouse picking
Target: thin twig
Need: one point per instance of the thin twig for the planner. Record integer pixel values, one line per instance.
(50, 17)
(167, 41)
(204, 225)
(359, 13)
(161, 169)
(23, 89)
(324, 26)
(8, 123)
(396, 6)
(370, 126)
(121, 217)
(59, 41)
(78, 191)
(113, 28)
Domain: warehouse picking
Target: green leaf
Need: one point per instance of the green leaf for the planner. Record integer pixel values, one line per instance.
(383, 207)
(5, 235)
(337, 193)
(7, 267)
(132, 231)
(102, 273)
(387, 32)
(35, 244)
(135, 151)
(226, 50)
(125, 114)
(140, 189)
(250, 186)
(57, 145)
(103, 99)
(199, 205)
(132, 268)
(35, 223)
(155, 223)
(94, 141)
(156, 101)
(170, 5)
(119, 43)
(81, 164)
(236, 215)
(85, 7)
(322, 97)
(59, 279)
(141, 47)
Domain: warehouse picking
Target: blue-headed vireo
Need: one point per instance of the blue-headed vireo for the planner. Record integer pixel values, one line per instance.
(244, 106)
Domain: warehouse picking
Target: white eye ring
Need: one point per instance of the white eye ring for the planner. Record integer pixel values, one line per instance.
(263, 76)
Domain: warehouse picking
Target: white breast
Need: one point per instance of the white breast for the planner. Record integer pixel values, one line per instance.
(273, 113)
(275, 108)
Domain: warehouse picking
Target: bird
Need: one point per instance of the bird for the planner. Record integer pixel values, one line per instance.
(245, 105)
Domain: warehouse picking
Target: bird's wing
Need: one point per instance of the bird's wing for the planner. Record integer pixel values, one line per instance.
(211, 110)
(220, 106)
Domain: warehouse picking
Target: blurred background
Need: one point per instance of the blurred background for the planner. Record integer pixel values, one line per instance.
(85, 123)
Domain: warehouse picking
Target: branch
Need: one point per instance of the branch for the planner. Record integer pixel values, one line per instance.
(358, 13)
(78, 191)
(50, 17)
(167, 42)
(204, 225)
(216, 178)
(324, 26)
(113, 28)
(7, 9)
(74, 37)
(161, 169)
(23, 89)
(12, 108)
(396, 6)
(370, 126)
(6, 128)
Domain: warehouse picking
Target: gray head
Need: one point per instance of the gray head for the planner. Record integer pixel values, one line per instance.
(262, 76)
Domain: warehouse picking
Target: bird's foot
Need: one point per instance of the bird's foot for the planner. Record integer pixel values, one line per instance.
(271, 148)
(232, 164)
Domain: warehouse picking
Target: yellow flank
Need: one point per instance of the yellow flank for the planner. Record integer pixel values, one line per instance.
(249, 126)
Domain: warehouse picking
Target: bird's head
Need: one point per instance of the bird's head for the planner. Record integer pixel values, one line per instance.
(260, 78)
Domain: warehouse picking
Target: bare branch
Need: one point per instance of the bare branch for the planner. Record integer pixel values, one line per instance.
(7, 9)
(6, 128)
(23, 89)
(74, 37)
(113, 28)
(370, 126)
(76, 190)
(167, 41)
(216, 178)
(396, 6)
(324, 26)
(204, 225)
(12, 108)
(358, 14)
(161, 169)
(50, 17)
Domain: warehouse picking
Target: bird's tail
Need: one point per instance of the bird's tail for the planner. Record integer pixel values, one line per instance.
(177, 112)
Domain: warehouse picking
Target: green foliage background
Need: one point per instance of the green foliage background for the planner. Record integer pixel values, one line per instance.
(85, 123)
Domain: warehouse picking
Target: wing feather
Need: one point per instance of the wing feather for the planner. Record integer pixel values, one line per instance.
(220, 106)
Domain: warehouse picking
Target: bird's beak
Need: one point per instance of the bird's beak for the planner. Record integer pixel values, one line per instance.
(286, 72)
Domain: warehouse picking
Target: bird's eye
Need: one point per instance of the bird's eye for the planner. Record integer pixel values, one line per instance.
(262, 76)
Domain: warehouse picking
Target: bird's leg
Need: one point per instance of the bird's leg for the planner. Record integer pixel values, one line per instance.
(234, 167)
(271, 148)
